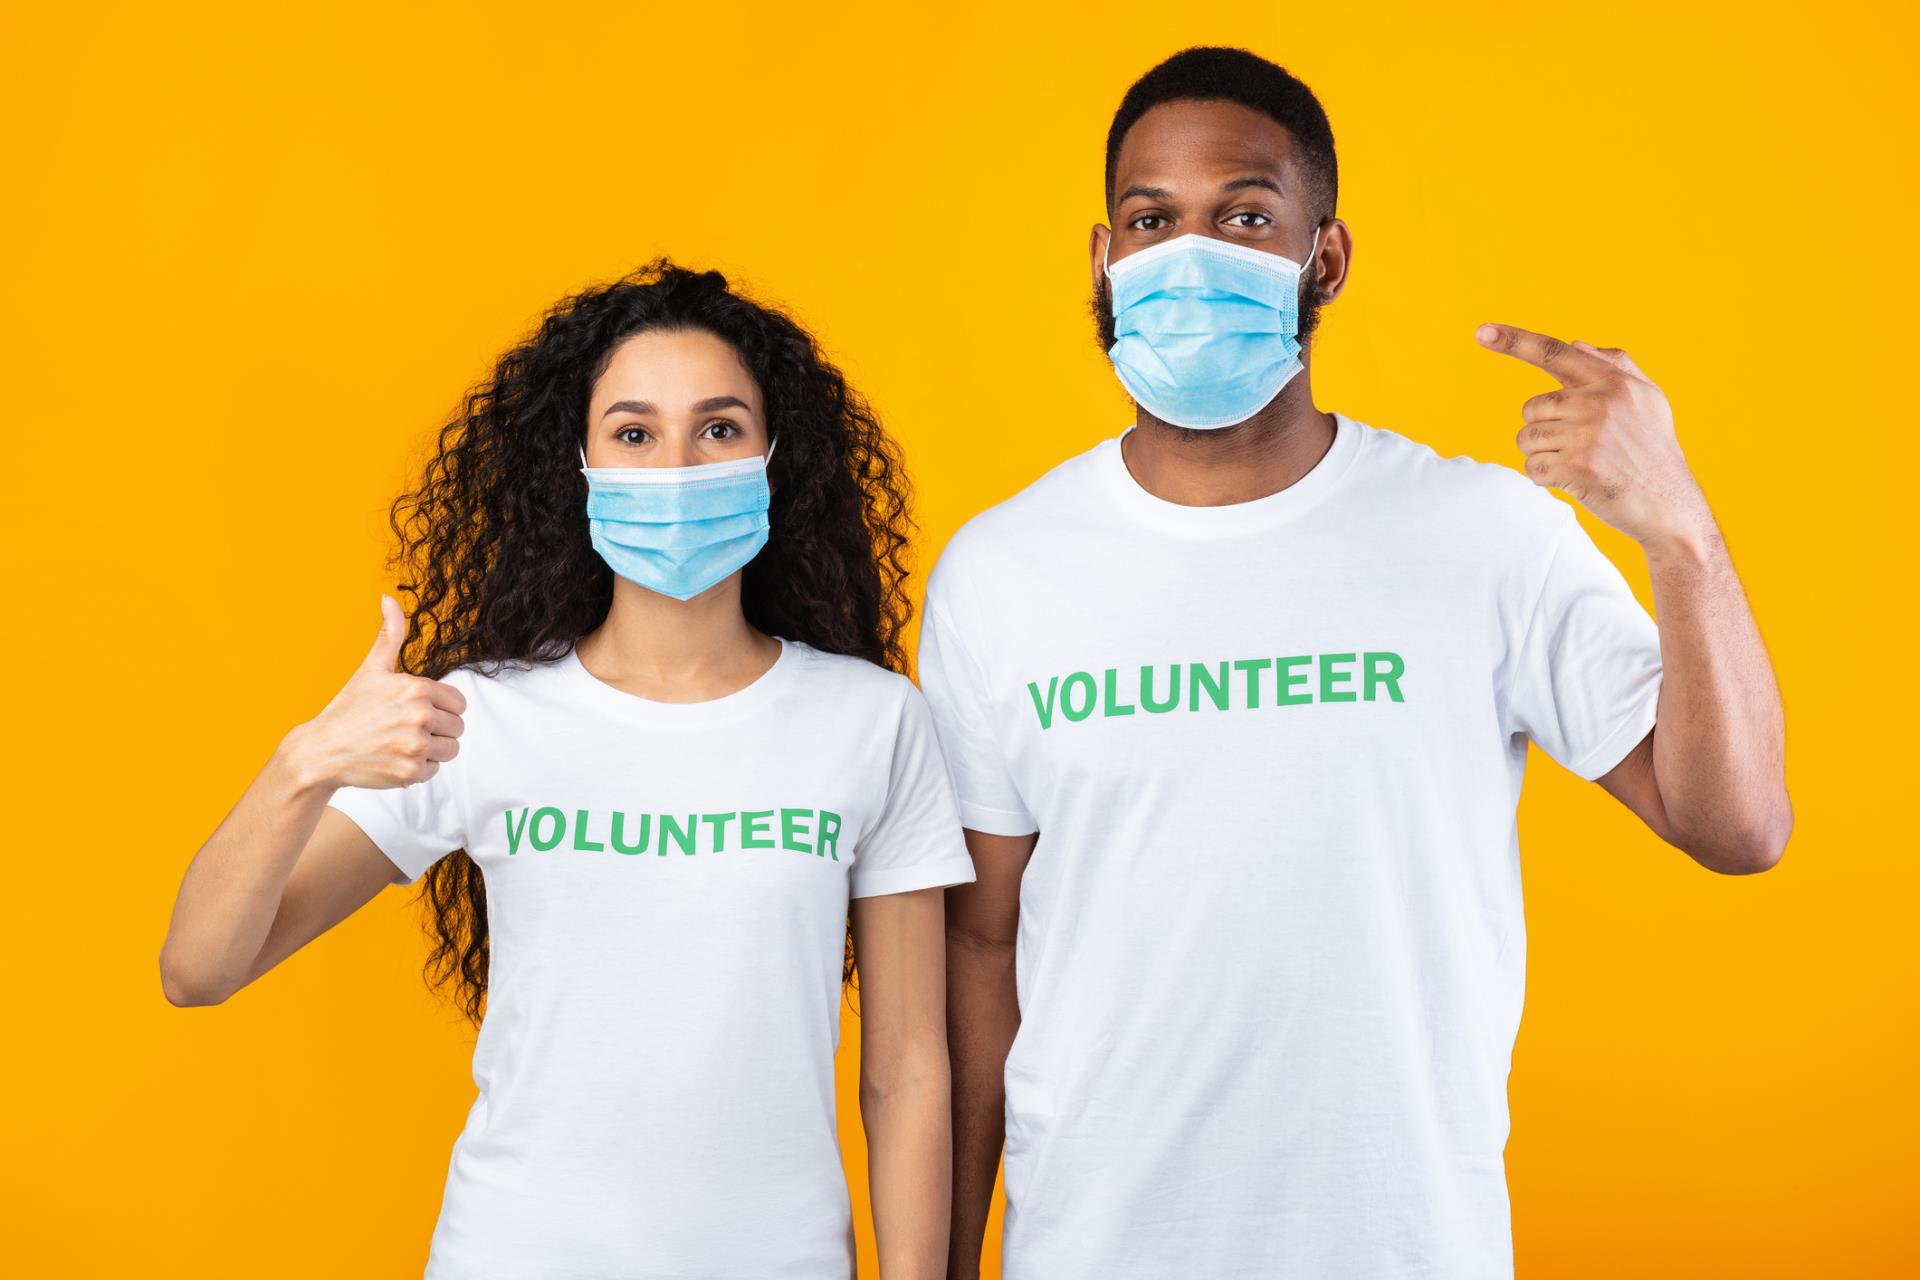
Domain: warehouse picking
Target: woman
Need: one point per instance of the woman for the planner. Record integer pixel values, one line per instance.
(656, 752)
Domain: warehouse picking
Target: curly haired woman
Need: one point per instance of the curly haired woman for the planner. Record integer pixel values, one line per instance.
(651, 757)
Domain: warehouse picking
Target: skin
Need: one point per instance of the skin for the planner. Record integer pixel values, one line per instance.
(282, 867)
(1710, 779)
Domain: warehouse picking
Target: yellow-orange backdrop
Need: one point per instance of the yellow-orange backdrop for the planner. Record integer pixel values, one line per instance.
(252, 255)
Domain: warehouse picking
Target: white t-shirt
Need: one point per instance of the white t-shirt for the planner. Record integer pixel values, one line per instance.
(1271, 952)
(667, 888)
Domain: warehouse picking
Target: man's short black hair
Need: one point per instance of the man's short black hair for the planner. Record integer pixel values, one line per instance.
(1210, 74)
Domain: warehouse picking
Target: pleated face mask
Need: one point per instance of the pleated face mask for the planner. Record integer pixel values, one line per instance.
(678, 530)
(1205, 329)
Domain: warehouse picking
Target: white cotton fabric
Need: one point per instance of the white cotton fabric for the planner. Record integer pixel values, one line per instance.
(655, 1070)
(1271, 958)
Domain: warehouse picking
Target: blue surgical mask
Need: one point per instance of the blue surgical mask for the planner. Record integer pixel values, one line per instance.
(678, 530)
(1205, 329)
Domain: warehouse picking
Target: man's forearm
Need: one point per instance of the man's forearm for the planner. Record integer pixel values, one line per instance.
(1718, 750)
(983, 1015)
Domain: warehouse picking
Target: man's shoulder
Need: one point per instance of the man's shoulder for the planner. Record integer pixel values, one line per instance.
(1011, 528)
(1413, 477)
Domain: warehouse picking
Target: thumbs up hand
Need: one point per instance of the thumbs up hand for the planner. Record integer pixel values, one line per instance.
(384, 728)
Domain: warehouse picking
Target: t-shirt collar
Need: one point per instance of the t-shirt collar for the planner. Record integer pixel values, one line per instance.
(1235, 517)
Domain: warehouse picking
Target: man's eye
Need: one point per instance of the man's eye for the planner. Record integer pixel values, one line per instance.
(1139, 223)
(1264, 220)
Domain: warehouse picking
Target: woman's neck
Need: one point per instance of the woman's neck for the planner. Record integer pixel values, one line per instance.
(668, 650)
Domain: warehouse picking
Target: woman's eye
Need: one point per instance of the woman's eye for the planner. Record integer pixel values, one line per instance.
(631, 435)
(727, 430)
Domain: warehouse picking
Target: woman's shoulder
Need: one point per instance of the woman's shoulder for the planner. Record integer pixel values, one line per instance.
(481, 679)
(846, 677)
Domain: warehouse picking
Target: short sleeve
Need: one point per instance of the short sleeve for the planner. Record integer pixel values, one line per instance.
(1584, 683)
(957, 693)
(415, 825)
(916, 841)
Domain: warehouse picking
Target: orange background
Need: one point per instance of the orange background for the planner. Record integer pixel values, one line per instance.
(253, 255)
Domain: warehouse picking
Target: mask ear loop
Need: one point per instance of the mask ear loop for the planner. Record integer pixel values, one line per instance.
(771, 446)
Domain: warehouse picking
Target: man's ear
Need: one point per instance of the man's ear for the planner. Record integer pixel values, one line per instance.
(1097, 250)
(1335, 259)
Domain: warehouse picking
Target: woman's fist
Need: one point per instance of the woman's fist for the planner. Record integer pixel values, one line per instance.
(384, 728)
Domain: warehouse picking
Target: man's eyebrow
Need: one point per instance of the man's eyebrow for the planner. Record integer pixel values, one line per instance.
(1232, 185)
(1242, 184)
(708, 405)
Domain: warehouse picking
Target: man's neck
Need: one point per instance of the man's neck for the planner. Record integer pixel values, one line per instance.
(1254, 459)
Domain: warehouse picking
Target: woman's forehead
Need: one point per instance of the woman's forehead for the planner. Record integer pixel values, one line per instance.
(673, 369)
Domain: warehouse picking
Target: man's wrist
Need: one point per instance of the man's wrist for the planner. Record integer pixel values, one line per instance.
(1691, 538)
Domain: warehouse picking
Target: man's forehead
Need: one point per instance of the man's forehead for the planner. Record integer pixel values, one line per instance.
(1206, 140)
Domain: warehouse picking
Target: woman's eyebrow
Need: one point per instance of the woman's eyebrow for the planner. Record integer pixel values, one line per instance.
(708, 405)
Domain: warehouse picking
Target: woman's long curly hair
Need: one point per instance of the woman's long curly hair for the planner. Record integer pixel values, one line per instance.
(493, 545)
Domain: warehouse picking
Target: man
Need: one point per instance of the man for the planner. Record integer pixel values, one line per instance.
(1237, 705)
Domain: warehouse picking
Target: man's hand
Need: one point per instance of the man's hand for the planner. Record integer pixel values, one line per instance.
(1605, 438)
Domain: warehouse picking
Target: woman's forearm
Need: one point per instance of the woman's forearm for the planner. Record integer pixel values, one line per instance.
(909, 1166)
(232, 889)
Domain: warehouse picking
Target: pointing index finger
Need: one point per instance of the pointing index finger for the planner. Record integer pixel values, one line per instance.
(1561, 359)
